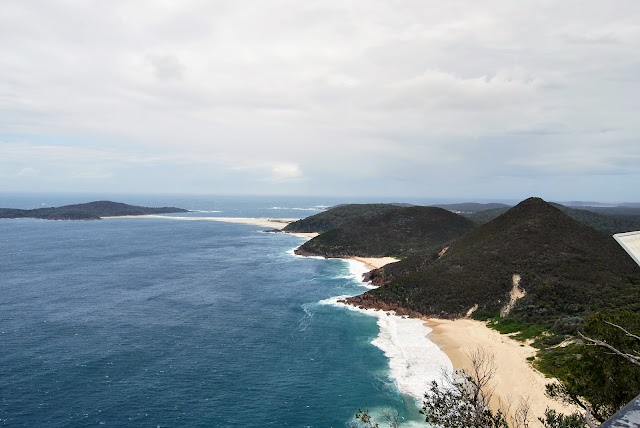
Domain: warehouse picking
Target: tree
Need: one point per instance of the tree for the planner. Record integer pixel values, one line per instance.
(364, 420)
(602, 374)
(552, 419)
(463, 399)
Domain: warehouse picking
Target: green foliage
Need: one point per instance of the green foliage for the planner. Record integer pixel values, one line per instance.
(395, 231)
(608, 220)
(363, 419)
(552, 419)
(568, 271)
(88, 211)
(517, 329)
(605, 380)
(453, 406)
(471, 207)
(335, 216)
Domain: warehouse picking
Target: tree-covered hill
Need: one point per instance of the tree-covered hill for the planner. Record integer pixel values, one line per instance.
(471, 207)
(607, 220)
(566, 269)
(89, 211)
(391, 231)
(333, 217)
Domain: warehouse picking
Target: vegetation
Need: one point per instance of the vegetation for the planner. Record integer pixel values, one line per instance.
(567, 270)
(579, 301)
(593, 376)
(471, 207)
(88, 211)
(463, 399)
(608, 220)
(552, 419)
(394, 231)
(335, 216)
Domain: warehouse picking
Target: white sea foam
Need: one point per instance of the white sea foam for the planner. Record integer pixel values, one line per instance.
(291, 252)
(414, 361)
(316, 208)
(356, 269)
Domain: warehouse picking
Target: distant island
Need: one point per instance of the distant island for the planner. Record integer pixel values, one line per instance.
(89, 211)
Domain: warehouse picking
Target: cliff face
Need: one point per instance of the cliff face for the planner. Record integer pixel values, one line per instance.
(566, 269)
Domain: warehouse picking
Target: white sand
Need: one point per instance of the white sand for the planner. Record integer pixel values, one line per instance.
(414, 363)
(265, 222)
(375, 262)
(515, 378)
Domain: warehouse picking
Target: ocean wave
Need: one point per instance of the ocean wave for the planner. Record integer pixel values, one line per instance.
(291, 252)
(205, 211)
(356, 269)
(306, 319)
(317, 208)
(414, 361)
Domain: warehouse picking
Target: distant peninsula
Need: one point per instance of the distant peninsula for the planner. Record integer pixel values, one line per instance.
(88, 211)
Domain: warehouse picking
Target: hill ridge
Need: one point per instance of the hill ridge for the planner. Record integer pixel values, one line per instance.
(396, 232)
(86, 211)
(566, 268)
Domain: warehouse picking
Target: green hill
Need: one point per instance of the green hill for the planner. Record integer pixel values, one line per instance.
(471, 207)
(335, 216)
(609, 221)
(390, 231)
(566, 269)
(88, 211)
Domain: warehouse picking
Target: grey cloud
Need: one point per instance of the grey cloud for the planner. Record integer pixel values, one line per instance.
(455, 93)
(167, 67)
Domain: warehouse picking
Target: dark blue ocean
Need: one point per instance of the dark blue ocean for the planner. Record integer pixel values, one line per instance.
(159, 322)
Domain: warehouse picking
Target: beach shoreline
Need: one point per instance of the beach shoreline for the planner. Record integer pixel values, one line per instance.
(515, 377)
(275, 223)
(405, 341)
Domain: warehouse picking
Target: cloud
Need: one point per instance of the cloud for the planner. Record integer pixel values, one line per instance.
(320, 96)
(286, 172)
(167, 67)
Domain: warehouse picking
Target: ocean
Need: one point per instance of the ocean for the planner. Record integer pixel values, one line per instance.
(167, 323)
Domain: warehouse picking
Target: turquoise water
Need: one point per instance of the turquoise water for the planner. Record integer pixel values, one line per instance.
(159, 322)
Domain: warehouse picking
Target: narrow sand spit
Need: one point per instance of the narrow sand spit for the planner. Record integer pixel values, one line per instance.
(265, 222)
(515, 378)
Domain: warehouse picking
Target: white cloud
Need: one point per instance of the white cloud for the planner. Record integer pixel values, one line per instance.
(357, 89)
(166, 67)
(286, 172)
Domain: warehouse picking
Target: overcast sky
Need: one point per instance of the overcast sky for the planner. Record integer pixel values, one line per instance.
(459, 99)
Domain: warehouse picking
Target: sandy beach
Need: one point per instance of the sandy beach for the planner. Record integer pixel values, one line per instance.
(515, 378)
(278, 223)
(375, 262)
